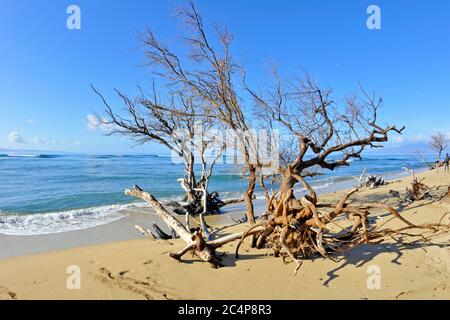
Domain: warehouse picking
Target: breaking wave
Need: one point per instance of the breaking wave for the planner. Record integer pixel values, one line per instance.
(63, 221)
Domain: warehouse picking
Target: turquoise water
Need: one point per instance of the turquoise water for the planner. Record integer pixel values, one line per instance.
(47, 193)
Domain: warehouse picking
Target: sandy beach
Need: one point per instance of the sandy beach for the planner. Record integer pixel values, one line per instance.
(136, 268)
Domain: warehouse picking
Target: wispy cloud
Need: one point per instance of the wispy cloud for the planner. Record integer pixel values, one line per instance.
(15, 138)
(94, 123)
(399, 139)
(39, 140)
(29, 120)
(56, 143)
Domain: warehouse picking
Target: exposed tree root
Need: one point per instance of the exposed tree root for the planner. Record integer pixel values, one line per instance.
(302, 228)
(298, 229)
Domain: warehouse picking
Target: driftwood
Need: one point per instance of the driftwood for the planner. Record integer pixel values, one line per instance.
(359, 180)
(232, 201)
(145, 232)
(196, 206)
(418, 190)
(370, 181)
(196, 243)
(394, 193)
(161, 234)
(295, 229)
(374, 182)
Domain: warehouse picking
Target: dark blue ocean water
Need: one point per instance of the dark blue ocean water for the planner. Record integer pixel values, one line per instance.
(46, 193)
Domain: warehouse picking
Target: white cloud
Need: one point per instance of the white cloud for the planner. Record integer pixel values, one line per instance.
(56, 142)
(15, 137)
(94, 123)
(38, 140)
(418, 138)
(29, 120)
(398, 139)
(414, 138)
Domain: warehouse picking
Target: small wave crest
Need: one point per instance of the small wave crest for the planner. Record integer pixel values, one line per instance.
(20, 155)
(16, 155)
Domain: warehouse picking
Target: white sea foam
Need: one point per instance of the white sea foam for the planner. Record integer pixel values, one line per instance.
(77, 219)
(14, 155)
(63, 221)
(315, 187)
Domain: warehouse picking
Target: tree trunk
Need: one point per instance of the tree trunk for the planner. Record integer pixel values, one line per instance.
(248, 195)
(190, 180)
(287, 183)
(189, 192)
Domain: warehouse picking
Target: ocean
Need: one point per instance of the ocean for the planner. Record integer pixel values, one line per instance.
(52, 193)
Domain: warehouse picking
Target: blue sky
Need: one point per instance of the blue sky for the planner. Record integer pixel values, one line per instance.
(46, 69)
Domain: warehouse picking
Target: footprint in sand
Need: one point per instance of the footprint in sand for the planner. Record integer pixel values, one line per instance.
(439, 259)
(124, 272)
(149, 289)
(6, 294)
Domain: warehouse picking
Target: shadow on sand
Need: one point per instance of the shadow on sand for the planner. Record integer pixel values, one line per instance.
(363, 254)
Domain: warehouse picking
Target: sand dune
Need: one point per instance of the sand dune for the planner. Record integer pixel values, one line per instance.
(142, 269)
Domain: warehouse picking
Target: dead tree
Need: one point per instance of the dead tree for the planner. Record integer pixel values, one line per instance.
(149, 119)
(211, 76)
(439, 143)
(328, 136)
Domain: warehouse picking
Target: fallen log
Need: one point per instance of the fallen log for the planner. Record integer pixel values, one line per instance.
(232, 201)
(145, 232)
(165, 215)
(205, 250)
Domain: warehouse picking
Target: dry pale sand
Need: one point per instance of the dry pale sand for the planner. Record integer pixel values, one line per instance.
(142, 269)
